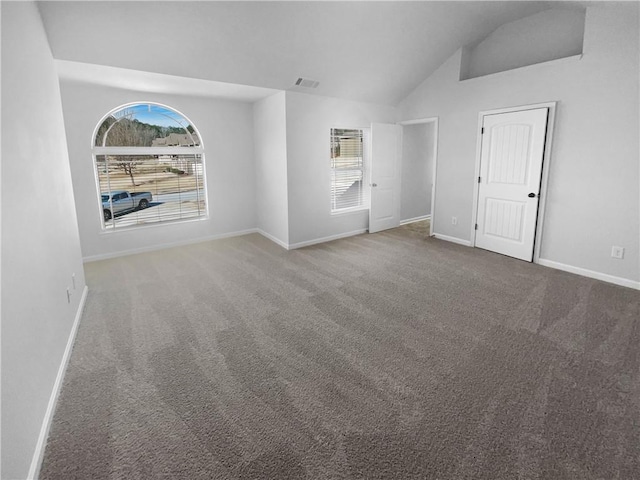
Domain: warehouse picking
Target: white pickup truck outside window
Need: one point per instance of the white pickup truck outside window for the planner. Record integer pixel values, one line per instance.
(149, 164)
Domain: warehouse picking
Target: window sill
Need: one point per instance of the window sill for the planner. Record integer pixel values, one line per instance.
(349, 210)
(144, 226)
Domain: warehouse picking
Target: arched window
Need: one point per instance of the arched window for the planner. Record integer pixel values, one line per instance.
(149, 163)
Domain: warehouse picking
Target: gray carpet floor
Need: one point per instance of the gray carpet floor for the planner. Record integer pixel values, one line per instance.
(378, 356)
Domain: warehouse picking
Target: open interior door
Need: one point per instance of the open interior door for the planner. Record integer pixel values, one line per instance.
(384, 211)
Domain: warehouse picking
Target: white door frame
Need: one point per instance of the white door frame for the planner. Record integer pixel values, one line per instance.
(545, 169)
(433, 120)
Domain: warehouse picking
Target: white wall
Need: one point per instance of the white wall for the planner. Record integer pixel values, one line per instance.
(417, 170)
(548, 35)
(309, 122)
(270, 130)
(593, 195)
(40, 243)
(226, 128)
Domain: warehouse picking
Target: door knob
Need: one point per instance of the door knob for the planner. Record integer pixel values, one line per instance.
(531, 195)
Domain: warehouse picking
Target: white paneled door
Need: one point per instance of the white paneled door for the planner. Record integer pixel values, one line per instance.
(384, 211)
(509, 183)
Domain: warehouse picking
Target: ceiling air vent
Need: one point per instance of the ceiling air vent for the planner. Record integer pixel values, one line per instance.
(304, 82)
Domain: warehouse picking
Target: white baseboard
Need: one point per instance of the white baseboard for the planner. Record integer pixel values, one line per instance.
(327, 239)
(415, 219)
(457, 240)
(273, 239)
(605, 277)
(38, 454)
(162, 246)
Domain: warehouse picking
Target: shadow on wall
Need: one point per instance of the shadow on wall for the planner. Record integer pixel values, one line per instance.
(550, 35)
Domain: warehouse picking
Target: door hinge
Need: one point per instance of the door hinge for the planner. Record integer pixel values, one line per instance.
(482, 131)
(478, 179)
(476, 226)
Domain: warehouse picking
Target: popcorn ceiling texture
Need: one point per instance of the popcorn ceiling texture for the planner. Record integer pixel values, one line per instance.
(388, 355)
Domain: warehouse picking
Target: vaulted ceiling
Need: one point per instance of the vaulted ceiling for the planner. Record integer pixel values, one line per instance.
(375, 52)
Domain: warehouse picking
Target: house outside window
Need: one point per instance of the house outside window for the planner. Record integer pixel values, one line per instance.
(149, 164)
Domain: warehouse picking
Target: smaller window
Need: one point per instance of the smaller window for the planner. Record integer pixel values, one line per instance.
(347, 169)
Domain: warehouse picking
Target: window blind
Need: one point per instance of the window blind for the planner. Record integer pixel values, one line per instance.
(347, 169)
(144, 189)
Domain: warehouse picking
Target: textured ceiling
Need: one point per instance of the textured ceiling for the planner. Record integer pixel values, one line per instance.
(375, 52)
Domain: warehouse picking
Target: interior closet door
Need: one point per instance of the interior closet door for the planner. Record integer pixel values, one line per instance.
(509, 184)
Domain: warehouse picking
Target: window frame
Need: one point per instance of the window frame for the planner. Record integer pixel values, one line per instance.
(97, 151)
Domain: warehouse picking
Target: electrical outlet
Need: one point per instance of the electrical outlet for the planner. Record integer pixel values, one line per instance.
(454, 220)
(617, 252)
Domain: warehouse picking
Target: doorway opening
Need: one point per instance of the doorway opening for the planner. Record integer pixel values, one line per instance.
(419, 162)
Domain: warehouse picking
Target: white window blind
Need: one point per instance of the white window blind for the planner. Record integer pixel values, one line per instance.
(164, 188)
(347, 169)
